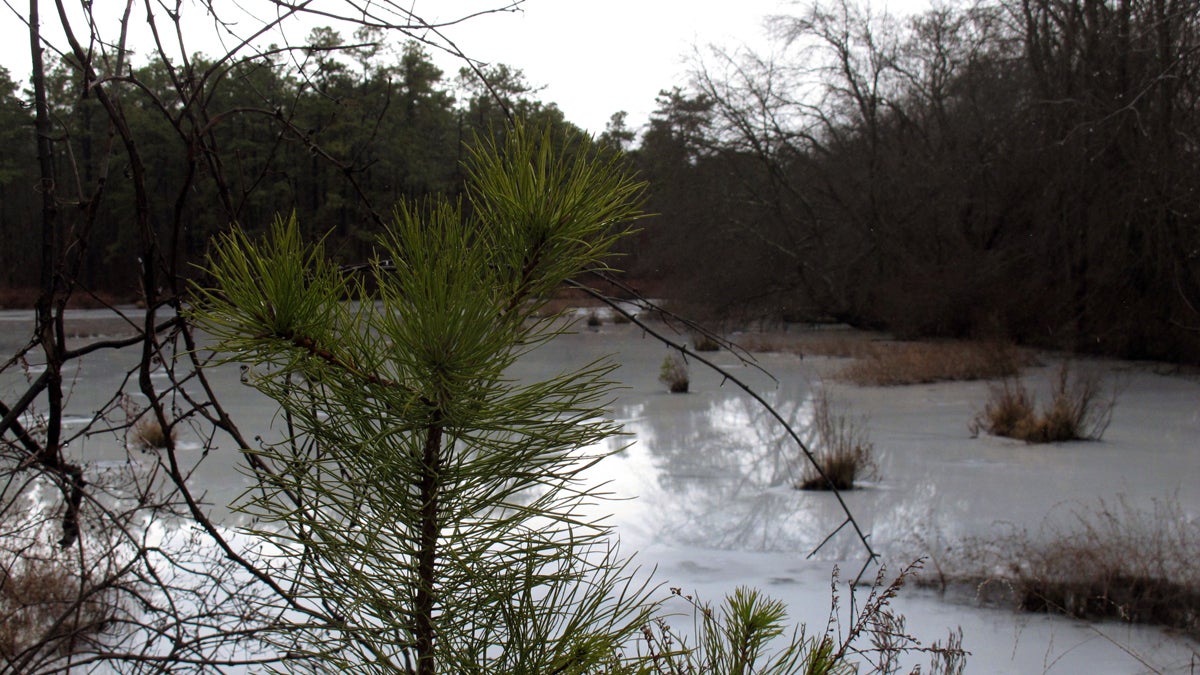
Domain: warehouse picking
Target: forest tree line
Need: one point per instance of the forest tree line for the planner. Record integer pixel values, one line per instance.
(337, 131)
(1024, 169)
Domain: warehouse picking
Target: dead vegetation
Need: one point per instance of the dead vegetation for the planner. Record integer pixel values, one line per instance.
(674, 373)
(890, 364)
(835, 344)
(43, 602)
(1111, 561)
(1080, 408)
(705, 342)
(883, 362)
(147, 433)
(841, 446)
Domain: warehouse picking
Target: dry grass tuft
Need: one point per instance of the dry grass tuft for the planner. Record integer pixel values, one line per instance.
(1111, 562)
(146, 433)
(842, 449)
(43, 603)
(1080, 408)
(901, 363)
(703, 342)
(674, 373)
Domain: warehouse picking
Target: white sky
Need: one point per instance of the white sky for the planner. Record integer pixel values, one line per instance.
(598, 57)
(594, 57)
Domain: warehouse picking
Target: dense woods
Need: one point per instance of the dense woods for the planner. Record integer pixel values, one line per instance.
(337, 132)
(1024, 169)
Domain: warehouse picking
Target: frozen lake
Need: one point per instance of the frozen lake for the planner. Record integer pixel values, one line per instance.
(705, 483)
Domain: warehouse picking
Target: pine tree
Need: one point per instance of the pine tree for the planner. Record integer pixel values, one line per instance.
(429, 509)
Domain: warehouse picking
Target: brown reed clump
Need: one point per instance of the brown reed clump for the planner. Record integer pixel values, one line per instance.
(674, 373)
(147, 433)
(1080, 408)
(703, 342)
(43, 602)
(842, 449)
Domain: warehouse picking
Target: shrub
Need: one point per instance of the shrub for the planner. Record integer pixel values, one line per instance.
(53, 602)
(1010, 409)
(1079, 409)
(842, 449)
(593, 320)
(892, 364)
(674, 373)
(1106, 562)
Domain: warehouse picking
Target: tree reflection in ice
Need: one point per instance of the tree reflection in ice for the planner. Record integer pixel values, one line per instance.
(716, 470)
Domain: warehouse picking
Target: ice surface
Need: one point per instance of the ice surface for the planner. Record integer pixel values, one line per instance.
(706, 497)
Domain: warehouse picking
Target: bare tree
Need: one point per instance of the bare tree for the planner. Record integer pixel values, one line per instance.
(933, 175)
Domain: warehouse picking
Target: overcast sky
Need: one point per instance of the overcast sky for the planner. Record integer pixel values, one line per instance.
(594, 57)
(598, 57)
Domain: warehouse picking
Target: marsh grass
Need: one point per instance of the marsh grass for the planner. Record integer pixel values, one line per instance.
(1080, 408)
(674, 373)
(1111, 561)
(890, 364)
(843, 449)
(883, 362)
(703, 342)
(43, 602)
(147, 433)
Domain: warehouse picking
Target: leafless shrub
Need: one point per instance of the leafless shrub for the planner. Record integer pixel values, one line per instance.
(1080, 408)
(104, 575)
(893, 364)
(842, 449)
(1111, 561)
(674, 373)
(45, 602)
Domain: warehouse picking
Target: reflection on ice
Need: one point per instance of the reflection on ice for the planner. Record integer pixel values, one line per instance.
(718, 471)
